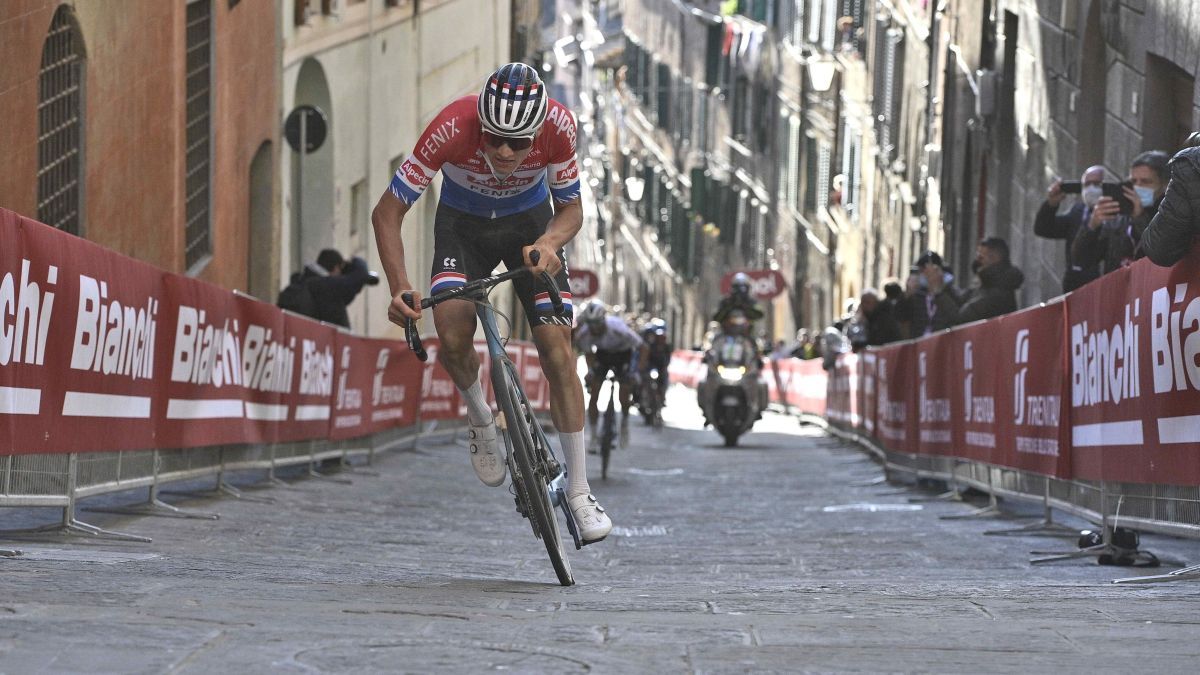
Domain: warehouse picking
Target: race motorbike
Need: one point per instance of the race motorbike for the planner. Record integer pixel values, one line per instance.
(731, 393)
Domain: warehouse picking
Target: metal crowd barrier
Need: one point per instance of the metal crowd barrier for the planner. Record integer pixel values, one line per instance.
(62, 480)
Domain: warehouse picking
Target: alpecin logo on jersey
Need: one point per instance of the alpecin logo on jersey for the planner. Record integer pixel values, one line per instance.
(414, 175)
(569, 173)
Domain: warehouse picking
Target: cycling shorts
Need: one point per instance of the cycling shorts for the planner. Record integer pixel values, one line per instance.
(617, 362)
(468, 247)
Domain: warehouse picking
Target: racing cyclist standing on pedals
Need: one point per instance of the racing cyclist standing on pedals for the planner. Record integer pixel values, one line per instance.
(658, 356)
(503, 154)
(608, 344)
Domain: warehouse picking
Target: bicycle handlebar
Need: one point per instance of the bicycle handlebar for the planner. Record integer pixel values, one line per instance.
(410, 326)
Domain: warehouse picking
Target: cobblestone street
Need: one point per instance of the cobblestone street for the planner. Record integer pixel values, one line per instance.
(765, 557)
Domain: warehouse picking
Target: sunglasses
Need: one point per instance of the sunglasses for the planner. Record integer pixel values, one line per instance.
(516, 144)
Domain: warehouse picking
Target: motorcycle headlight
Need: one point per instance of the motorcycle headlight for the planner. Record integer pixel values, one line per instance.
(731, 374)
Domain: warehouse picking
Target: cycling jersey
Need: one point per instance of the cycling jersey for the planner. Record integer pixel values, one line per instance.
(618, 338)
(453, 144)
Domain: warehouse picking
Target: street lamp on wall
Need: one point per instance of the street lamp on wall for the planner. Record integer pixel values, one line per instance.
(821, 72)
(634, 187)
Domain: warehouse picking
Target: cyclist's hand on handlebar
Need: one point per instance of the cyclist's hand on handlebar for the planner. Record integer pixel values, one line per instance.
(399, 310)
(547, 258)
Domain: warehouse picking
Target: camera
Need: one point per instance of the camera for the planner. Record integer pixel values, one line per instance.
(1116, 191)
(1071, 187)
(372, 279)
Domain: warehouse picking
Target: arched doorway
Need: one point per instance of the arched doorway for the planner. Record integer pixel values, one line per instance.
(261, 281)
(1093, 88)
(312, 222)
(60, 124)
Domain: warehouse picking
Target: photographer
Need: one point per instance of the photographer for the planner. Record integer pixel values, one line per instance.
(323, 289)
(1052, 225)
(1116, 224)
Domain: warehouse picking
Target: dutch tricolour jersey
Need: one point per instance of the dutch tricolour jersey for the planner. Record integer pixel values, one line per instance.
(453, 144)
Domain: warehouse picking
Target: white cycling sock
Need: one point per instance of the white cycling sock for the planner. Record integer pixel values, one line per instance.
(478, 411)
(572, 445)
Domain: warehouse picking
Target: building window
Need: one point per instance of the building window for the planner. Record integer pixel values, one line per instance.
(359, 206)
(60, 124)
(198, 169)
(1168, 103)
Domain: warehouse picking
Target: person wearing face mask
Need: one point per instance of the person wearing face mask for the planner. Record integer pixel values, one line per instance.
(1111, 237)
(1176, 226)
(936, 303)
(1054, 225)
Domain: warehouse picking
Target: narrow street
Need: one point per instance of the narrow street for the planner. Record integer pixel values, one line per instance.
(765, 557)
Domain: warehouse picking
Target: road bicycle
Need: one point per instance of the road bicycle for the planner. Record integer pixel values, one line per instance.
(650, 400)
(538, 479)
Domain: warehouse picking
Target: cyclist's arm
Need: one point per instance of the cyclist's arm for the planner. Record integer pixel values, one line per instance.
(388, 221)
(566, 223)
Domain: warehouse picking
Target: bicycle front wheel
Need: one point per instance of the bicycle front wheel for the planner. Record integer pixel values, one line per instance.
(530, 474)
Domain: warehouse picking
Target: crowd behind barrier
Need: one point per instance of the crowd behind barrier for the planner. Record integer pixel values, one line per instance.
(115, 374)
(1091, 401)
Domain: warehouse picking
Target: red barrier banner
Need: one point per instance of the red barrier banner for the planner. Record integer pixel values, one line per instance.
(843, 401)
(937, 371)
(1133, 341)
(686, 367)
(1031, 420)
(77, 331)
(974, 388)
(896, 397)
(378, 386)
(807, 385)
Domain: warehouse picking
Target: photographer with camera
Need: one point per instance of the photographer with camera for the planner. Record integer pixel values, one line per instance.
(1122, 214)
(1050, 224)
(324, 288)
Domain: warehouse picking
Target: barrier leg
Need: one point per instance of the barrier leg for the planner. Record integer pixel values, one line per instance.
(154, 506)
(1046, 527)
(1182, 574)
(71, 525)
(222, 488)
(991, 510)
(312, 466)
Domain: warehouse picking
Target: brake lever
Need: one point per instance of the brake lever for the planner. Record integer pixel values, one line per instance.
(411, 335)
(551, 287)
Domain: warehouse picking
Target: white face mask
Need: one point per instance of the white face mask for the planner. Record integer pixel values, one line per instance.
(1090, 194)
(1146, 195)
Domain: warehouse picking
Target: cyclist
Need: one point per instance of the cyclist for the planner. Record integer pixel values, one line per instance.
(608, 344)
(658, 354)
(510, 188)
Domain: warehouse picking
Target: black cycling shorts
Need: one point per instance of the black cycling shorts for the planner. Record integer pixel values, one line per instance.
(468, 247)
(617, 362)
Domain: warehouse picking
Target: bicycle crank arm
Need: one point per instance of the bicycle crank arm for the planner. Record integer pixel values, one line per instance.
(560, 500)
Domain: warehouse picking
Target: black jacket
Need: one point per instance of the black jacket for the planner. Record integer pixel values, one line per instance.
(938, 313)
(1170, 234)
(1113, 244)
(882, 327)
(1051, 225)
(332, 293)
(738, 301)
(996, 294)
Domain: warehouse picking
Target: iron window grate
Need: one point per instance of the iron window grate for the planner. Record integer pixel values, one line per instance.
(60, 124)
(197, 172)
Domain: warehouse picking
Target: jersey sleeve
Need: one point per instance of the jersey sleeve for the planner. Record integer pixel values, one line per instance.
(563, 169)
(434, 148)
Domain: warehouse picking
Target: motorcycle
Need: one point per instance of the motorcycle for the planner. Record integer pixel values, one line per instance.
(731, 393)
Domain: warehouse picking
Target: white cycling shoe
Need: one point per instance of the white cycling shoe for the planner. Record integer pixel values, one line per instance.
(485, 455)
(594, 524)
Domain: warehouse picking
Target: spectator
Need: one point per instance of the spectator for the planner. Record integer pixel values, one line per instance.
(324, 288)
(1052, 225)
(833, 342)
(1174, 228)
(806, 348)
(934, 306)
(877, 316)
(906, 305)
(1111, 237)
(996, 293)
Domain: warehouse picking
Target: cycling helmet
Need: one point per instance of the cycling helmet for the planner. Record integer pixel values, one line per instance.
(513, 101)
(740, 283)
(593, 312)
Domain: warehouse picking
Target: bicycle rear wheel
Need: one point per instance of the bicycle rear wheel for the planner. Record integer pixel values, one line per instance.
(530, 477)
